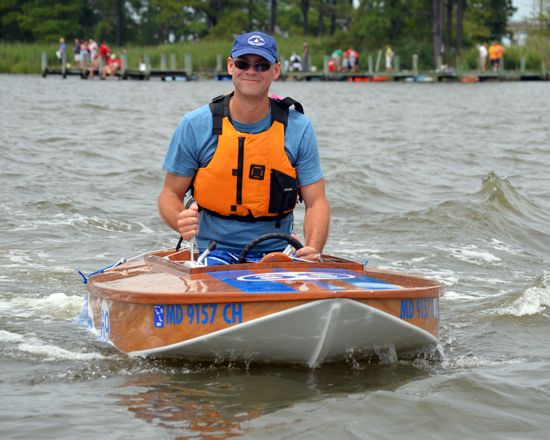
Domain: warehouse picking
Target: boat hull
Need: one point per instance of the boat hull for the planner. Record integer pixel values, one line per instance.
(305, 314)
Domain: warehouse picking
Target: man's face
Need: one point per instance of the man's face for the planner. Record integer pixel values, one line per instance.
(247, 80)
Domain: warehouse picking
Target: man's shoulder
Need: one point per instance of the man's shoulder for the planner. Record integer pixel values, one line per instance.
(198, 120)
(199, 114)
(297, 120)
(300, 135)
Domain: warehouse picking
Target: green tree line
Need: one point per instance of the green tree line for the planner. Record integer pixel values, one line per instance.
(430, 28)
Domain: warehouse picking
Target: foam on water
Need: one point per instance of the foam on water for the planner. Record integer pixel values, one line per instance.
(35, 346)
(471, 254)
(6, 336)
(56, 305)
(358, 252)
(533, 301)
(471, 361)
(459, 296)
(445, 276)
(32, 259)
(54, 353)
(79, 222)
(145, 229)
(492, 281)
(18, 258)
(501, 246)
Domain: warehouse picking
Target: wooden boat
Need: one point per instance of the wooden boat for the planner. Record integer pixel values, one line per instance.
(277, 310)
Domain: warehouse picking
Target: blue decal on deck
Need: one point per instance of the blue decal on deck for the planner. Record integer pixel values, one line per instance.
(323, 278)
(362, 282)
(278, 280)
(159, 316)
(235, 279)
(296, 276)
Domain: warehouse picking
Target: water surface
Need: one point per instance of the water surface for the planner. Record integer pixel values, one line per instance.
(449, 181)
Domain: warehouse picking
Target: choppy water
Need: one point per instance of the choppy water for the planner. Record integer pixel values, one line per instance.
(445, 180)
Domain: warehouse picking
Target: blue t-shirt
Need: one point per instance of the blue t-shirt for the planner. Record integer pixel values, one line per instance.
(193, 145)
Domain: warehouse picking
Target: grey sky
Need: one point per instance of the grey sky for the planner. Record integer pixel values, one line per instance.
(524, 8)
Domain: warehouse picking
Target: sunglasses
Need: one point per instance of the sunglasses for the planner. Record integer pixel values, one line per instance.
(258, 67)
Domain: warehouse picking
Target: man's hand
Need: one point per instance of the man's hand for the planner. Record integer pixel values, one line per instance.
(308, 253)
(188, 222)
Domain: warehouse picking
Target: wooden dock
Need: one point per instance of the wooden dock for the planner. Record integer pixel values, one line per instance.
(145, 72)
(440, 74)
(164, 75)
(372, 74)
(420, 76)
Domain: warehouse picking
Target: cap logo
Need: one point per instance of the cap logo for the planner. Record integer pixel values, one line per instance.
(256, 40)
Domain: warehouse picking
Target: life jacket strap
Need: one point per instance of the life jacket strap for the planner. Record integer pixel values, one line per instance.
(219, 108)
(279, 110)
(289, 102)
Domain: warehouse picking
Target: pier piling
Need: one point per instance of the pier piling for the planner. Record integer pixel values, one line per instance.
(44, 63)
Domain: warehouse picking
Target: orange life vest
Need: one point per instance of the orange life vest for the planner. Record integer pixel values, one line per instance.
(250, 176)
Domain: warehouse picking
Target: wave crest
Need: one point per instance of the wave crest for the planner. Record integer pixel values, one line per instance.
(533, 301)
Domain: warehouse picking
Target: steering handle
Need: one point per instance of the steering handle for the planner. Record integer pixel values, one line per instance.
(270, 236)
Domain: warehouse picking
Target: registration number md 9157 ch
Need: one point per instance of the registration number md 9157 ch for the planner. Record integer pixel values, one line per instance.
(193, 314)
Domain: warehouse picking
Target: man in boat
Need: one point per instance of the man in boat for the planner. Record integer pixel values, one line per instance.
(246, 157)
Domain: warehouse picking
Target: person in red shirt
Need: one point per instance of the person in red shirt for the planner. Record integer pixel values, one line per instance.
(112, 66)
(104, 51)
(351, 58)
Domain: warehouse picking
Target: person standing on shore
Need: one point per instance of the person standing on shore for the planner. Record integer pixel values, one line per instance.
(246, 157)
(305, 57)
(496, 52)
(482, 48)
(389, 58)
(76, 52)
(104, 52)
(94, 62)
(62, 50)
(336, 57)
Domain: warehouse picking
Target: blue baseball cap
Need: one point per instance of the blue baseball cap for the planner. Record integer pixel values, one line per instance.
(255, 43)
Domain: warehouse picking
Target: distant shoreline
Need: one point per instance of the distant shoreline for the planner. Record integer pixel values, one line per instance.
(210, 56)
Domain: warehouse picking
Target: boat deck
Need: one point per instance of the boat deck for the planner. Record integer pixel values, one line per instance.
(167, 277)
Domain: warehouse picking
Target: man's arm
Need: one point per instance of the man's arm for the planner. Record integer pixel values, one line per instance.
(316, 220)
(172, 210)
